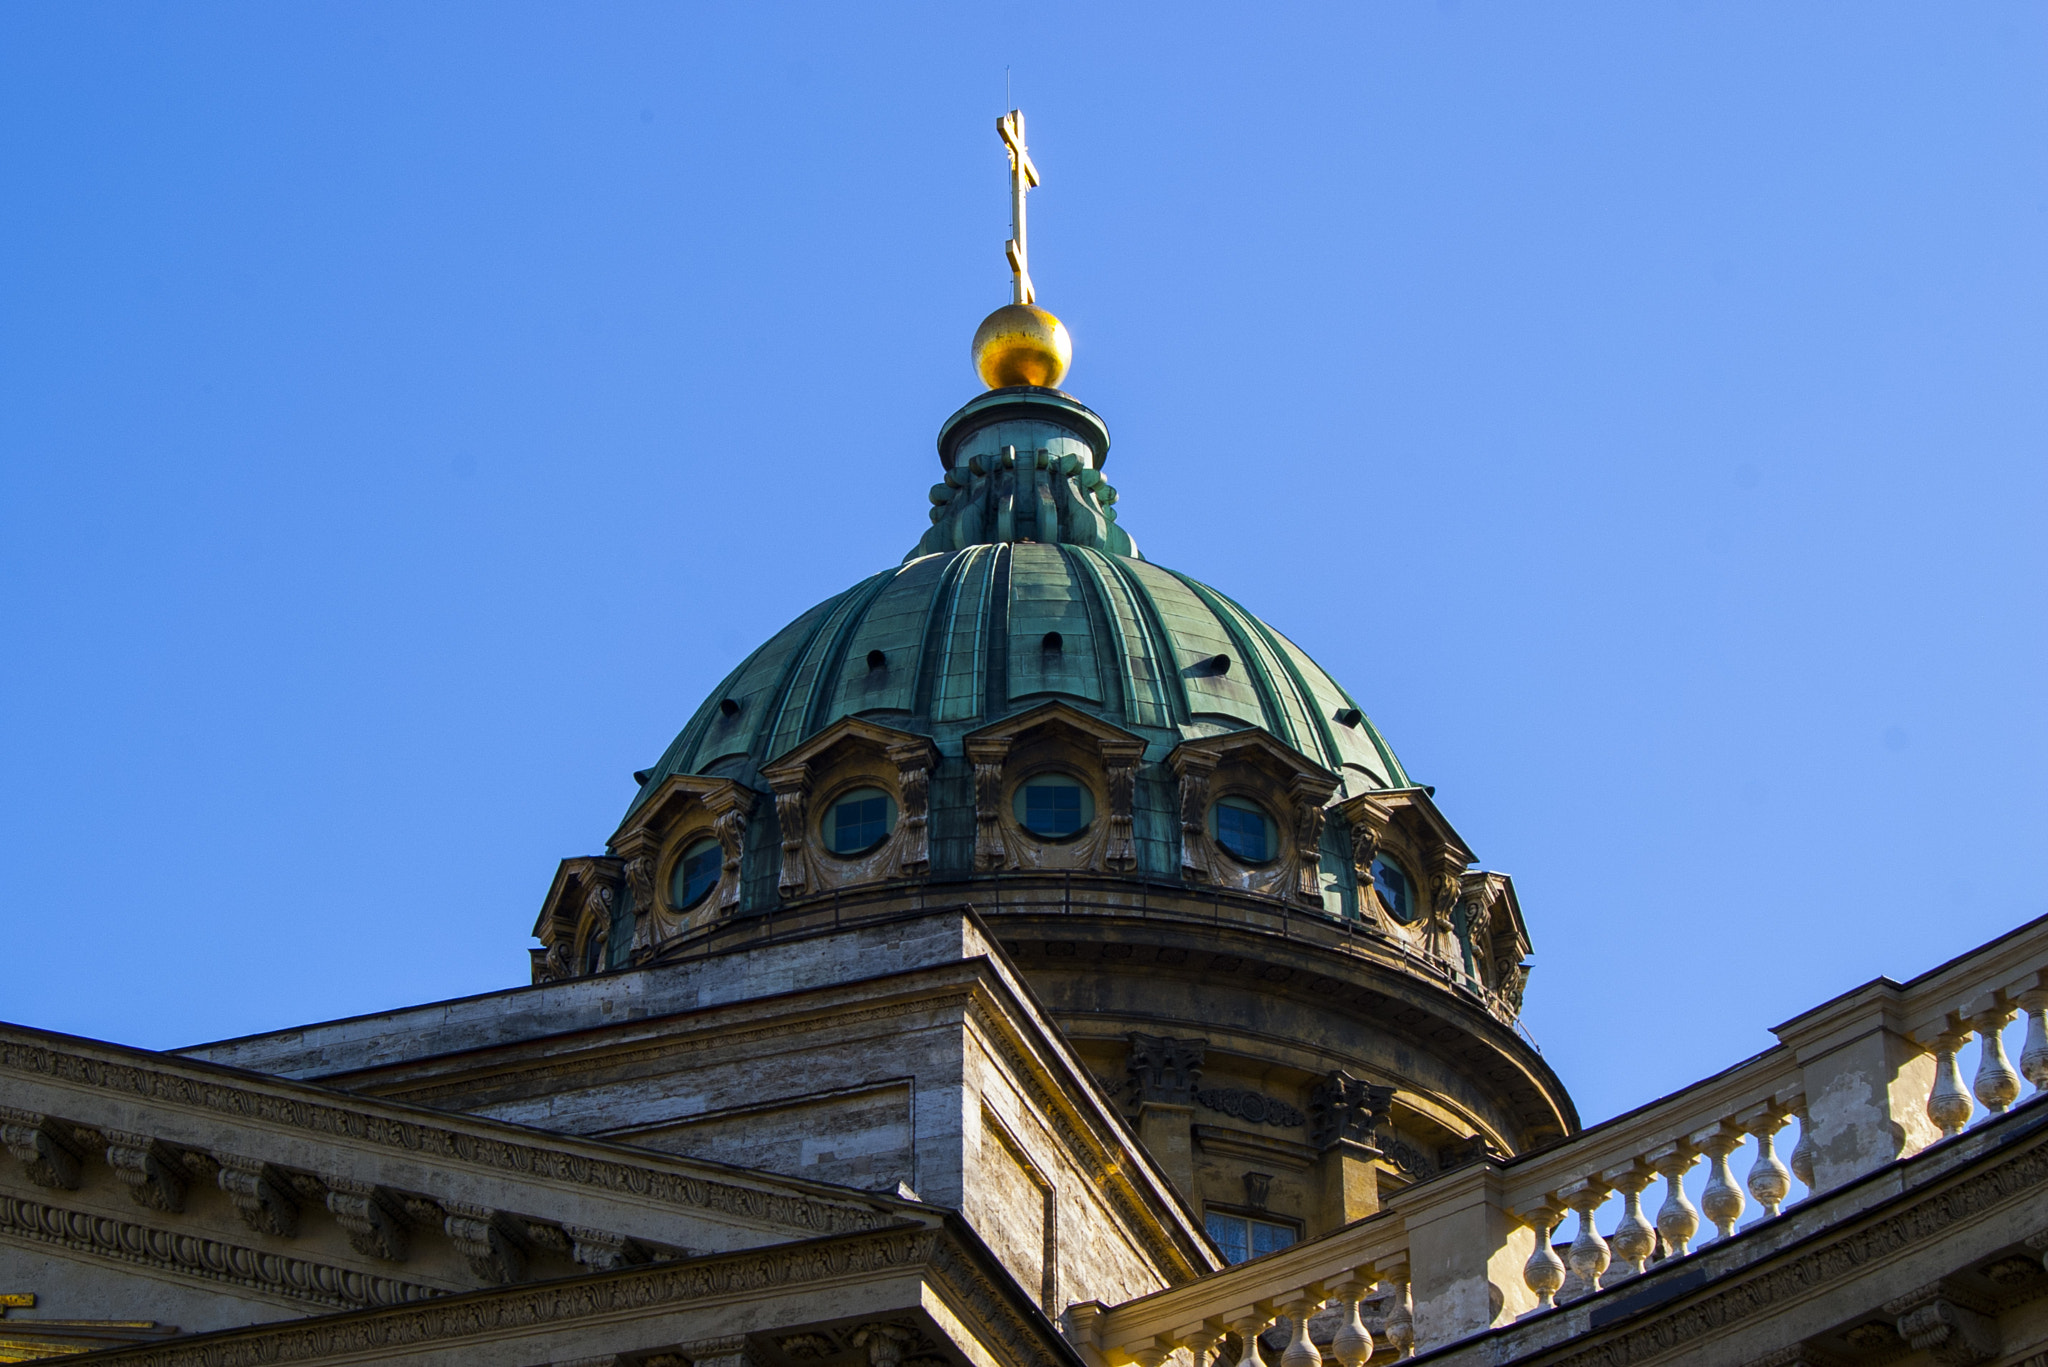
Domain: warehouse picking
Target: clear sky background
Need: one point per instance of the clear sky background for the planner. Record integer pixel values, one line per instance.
(409, 413)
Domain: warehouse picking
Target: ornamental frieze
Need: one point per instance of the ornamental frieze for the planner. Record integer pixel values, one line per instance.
(1253, 1108)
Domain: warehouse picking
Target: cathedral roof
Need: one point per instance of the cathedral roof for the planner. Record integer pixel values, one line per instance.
(1026, 591)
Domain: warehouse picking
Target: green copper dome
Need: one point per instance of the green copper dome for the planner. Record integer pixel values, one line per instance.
(1025, 591)
(948, 642)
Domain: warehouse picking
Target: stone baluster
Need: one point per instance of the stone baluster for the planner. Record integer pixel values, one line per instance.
(1589, 1255)
(1204, 1347)
(1678, 1219)
(1248, 1330)
(1634, 1238)
(1153, 1354)
(1770, 1181)
(1352, 1345)
(2034, 1054)
(1996, 1084)
(1802, 1152)
(1400, 1319)
(1948, 1105)
(1300, 1352)
(1544, 1272)
(1722, 1199)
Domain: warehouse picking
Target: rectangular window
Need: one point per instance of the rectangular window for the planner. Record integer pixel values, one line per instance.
(1239, 1237)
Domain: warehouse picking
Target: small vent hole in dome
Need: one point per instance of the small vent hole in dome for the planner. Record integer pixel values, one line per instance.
(1350, 716)
(1216, 664)
(1054, 641)
(877, 660)
(640, 776)
(728, 707)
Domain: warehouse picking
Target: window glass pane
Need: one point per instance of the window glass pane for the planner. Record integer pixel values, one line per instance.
(1241, 829)
(1268, 1238)
(1054, 806)
(859, 821)
(696, 874)
(1396, 890)
(1228, 1232)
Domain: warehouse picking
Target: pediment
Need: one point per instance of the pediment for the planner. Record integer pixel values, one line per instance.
(1411, 811)
(673, 799)
(1255, 747)
(848, 732)
(574, 880)
(1112, 741)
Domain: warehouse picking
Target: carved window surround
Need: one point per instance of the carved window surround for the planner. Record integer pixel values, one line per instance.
(567, 915)
(1054, 738)
(852, 753)
(1289, 785)
(684, 809)
(1500, 940)
(1405, 822)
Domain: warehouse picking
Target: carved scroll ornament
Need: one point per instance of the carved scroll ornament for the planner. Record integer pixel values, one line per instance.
(1197, 855)
(914, 781)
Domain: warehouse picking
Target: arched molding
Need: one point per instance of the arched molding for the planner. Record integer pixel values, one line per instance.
(1286, 783)
(1054, 738)
(683, 810)
(565, 912)
(851, 753)
(1405, 822)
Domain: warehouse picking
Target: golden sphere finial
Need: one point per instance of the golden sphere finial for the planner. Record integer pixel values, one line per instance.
(1022, 344)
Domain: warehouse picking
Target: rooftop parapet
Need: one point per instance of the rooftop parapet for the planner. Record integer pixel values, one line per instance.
(1872, 1077)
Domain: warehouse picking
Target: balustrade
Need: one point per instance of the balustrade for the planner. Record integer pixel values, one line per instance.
(1887, 1056)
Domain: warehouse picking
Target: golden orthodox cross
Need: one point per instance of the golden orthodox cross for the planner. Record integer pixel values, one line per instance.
(1023, 175)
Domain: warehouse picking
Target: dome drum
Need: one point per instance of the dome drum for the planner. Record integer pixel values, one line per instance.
(950, 821)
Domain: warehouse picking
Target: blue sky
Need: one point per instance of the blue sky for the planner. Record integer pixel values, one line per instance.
(408, 413)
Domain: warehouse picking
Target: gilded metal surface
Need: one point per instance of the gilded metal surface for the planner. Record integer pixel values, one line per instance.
(1022, 344)
(1023, 176)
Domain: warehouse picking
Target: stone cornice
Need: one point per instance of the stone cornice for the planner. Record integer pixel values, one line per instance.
(947, 1259)
(718, 1031)
(491, 1146)
(272, 1274)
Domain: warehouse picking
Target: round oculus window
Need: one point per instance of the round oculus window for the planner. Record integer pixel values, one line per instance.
(859, 821)
(696, 874)
(1395, 889)
(1243, 829)
(1054, 806)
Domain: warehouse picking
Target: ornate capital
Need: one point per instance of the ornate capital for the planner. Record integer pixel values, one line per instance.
(1344, 1108)
(1166, 1070)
